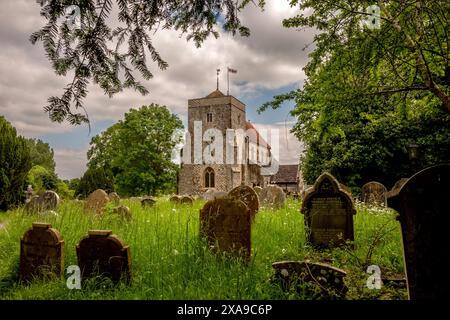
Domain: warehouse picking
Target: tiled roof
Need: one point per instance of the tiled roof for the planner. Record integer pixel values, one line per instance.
(286, 174)
(256, 139)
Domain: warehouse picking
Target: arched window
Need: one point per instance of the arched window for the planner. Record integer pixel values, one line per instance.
(209, 178)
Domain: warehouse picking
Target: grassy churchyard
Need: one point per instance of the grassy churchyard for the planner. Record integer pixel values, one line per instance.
(169, 261)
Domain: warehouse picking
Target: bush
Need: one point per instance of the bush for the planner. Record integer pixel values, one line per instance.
(15, 163)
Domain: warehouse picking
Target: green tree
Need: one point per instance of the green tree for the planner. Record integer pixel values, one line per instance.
(41, 154)
(370, 93)
(42, 179)
(138, 150)
(93, 179)
(95, 52)
(14, 165)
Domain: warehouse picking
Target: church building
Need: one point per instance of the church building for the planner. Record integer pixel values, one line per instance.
(225, 115)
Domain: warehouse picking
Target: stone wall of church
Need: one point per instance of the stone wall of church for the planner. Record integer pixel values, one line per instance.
(192, 180)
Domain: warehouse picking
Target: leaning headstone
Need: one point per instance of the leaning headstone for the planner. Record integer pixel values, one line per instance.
(49, 200)
(328, 211)
(186, 200)
(41, 252)
(123, 212)
(329, 280)
(96, 202)
(423, 204)
(114, 197)
(374, 193)
(102, 253)
(226, 225)
(272, 196)
(148, 202)
(247, 195)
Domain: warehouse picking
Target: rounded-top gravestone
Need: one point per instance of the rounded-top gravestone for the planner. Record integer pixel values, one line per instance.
(328, 210)
(175, 199)
(374, 193)
(96, 202)
(423, 204)
(247, 195)
(226, 224)
(186, 200)
(273, 197)
(114, 197)
(123, 212)
(103, 253)
(41, 252)
(148, 202)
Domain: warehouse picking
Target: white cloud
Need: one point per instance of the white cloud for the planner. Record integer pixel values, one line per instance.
(70, 163)
(270, 58)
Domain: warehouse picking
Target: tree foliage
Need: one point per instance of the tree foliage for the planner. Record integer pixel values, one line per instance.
(93, 179)
(41, 154)
(14, 165)
(138, 151)
(107, 56)
(370, 93)
(42, 179)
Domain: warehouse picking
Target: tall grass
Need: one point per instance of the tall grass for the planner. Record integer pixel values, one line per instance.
(169, 261)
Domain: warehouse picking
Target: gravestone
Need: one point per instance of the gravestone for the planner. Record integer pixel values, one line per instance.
(123, 212)
(374, 193)
(96, 202)
(273, 197)
(41, 252)
(257, 190)
(226, 225)
(148, 202)
(208, 195)
(29, 193)
(186, 200)
(247, 195)
(423, 206)
(103, 253)
(328, 211)
(175, 199)
(329, 279)
(114, 197)
(49, 200)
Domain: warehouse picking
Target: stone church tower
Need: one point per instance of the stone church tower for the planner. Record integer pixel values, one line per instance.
(218, 113)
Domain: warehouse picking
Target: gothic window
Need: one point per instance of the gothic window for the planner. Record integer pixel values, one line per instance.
(209, 117)
(209, 178)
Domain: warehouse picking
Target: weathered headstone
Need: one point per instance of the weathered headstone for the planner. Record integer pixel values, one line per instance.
(29, 193)
(49, 200)
(96, 202)
(272, 196)
(148, 202)
(175, 199)
(374, 193)
(123, 212)
(247, 195)
(114, 197)
(41, 252)
(186, 200)
(103, 253)
(328, 211)
(329, 279)
(257, 189)
(226, 225)
(423, 204)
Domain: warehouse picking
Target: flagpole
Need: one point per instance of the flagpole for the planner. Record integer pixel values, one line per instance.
(228, 81)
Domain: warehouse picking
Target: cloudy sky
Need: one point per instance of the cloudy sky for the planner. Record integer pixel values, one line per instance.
(269, 62)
